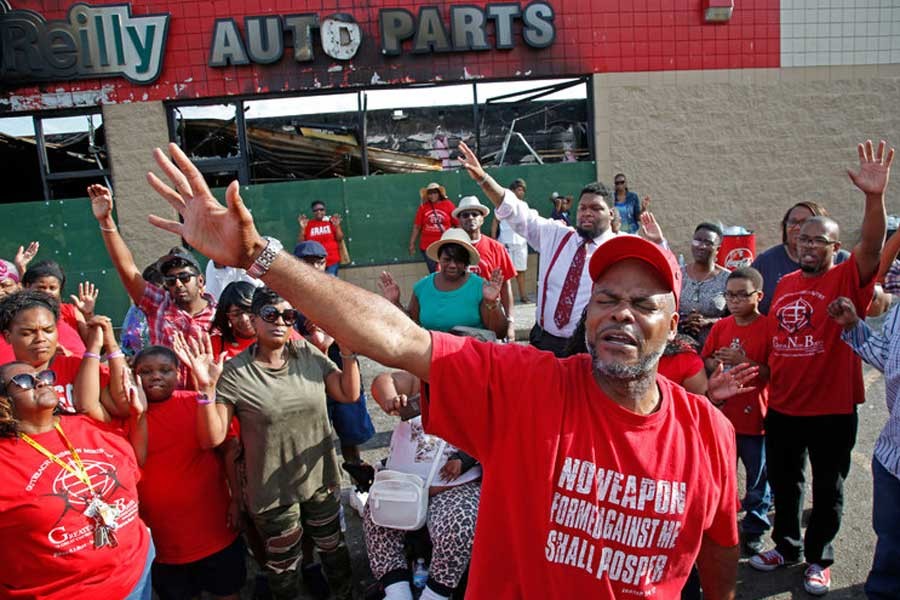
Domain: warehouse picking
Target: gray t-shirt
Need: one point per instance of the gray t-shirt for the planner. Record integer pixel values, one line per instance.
(285, 431)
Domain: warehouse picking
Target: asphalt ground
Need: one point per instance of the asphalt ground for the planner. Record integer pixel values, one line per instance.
(854, 545)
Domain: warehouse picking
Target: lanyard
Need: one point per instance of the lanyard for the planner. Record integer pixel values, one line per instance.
(81, 473)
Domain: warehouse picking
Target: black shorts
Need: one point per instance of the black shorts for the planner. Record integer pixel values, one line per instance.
(220, 574)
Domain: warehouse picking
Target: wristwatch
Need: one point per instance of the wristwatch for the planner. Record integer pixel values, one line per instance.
(264, 261)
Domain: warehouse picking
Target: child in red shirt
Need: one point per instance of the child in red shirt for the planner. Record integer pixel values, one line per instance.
(741, 338)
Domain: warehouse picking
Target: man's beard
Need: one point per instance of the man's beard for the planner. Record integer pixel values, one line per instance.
(588, 234)
(622, 372)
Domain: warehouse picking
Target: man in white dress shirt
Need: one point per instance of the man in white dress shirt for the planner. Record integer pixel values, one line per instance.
(564, 284)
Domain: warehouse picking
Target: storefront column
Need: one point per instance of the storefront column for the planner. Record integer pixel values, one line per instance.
(132, 132)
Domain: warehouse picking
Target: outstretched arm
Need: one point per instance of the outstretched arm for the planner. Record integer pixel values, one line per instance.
(492, 189)
(102, 205)
(356, 318)
(872, 179)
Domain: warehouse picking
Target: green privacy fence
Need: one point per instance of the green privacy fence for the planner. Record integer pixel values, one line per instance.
(378, 213)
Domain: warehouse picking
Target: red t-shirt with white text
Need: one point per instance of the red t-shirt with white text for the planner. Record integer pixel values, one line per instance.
(492, 255)
(745, 411)
(184, 497)
(434, 219)
(48, 543)
(324, 232)
(813, 371)
(66, 369)
(580, 497)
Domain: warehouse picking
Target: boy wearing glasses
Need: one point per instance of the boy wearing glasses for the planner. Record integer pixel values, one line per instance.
(739, 338)
(181, 304)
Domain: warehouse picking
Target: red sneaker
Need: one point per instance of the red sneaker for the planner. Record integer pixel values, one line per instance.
(817, 580)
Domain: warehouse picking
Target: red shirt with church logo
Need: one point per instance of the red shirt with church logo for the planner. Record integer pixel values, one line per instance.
(813, 371)
(580, 498)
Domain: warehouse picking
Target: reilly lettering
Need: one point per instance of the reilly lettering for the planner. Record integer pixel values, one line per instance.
(101, 41)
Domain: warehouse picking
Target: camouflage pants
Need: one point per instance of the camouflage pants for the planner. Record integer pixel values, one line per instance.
(281, 530)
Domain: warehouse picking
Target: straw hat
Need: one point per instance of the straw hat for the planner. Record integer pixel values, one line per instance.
(470, 203)
(454, 235)
(423, 193)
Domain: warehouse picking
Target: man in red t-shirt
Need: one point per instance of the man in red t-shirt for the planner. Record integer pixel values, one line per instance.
(816, 379)
(471, 213)
(325, 230)
(434, 217)
(602, 480)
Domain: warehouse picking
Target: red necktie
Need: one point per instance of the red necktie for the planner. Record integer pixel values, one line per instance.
(570, 288)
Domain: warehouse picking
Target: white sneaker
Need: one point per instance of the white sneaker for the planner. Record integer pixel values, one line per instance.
(817, 580)
(358, 501)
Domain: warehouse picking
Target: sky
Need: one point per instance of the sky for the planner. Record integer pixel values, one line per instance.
(378, 99)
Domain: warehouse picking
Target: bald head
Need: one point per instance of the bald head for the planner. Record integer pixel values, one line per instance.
(825, 225)
(819, 239)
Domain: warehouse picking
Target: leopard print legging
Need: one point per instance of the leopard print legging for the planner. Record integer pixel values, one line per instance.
(451, 525)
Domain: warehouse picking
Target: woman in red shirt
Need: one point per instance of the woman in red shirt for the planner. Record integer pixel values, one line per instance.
(232, 330)
(68, 499)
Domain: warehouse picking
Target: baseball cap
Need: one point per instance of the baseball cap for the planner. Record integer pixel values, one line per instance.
(177, 257)
(623, 247)
(310, 249)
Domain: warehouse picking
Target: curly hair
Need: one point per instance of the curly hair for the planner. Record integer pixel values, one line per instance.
(9, 426)
(13, 304)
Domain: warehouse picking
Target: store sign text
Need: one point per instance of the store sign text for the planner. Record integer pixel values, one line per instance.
(102, 41)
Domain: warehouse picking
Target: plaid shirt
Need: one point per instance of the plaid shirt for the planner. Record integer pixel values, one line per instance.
(164, 318)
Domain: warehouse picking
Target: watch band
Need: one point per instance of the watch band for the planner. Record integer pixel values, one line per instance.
(264, 261)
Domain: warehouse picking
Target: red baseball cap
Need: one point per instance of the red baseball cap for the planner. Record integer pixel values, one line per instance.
(623, 247)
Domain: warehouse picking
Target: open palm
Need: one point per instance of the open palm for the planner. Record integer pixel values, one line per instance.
(490, 291)
(874, 168)
(226, 234)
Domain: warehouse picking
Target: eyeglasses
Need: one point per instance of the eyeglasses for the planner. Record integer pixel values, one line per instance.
(739, 296)
(169, 280)
(818, 242)
(620, 182)
(469, 214)
(27, 381)
(270, 314)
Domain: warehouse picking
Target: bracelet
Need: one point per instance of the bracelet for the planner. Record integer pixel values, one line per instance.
(110, 229)
(115, 354)
(492, 305)
(484, 179)
(203, 399)
(349, 356)
(91, 355)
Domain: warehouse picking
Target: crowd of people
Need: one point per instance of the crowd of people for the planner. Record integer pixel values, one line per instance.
(599, 460)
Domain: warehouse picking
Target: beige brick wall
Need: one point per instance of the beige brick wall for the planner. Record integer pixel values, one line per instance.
(132, 131)
(742, 146)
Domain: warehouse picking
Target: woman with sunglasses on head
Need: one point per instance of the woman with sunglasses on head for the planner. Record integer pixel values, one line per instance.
(702, 300)
(28, 321)
(68, 498)
(277, 389)
(232, 327)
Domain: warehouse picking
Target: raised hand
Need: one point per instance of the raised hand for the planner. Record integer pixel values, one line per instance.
(336, 220)
(134, 392)
(725, 384)
(645, 204)
(199, 355)
(226, 234)
(490, 291)
(843, 312)
(101, 201)
(470, 162)
(86, 300)
(874, 168)
(650, 228)
(388, 287)
(303, 221)
(25, 255)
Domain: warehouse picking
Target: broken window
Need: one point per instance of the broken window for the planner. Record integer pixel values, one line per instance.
(207, 131)
(53, 157)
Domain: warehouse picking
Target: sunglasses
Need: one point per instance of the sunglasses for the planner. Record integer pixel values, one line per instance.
(270, 314)
(470, 214)
(620, 183)
(169, 280)
(319, 209)
(27, 381)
